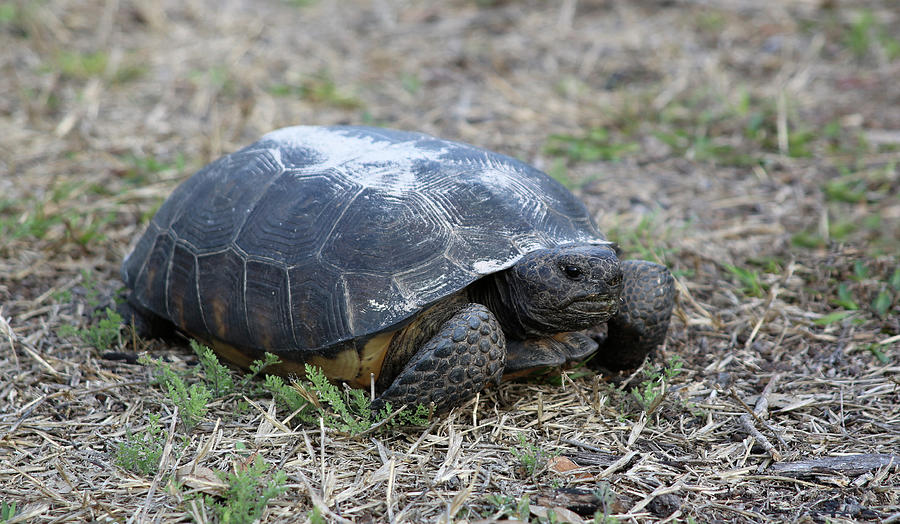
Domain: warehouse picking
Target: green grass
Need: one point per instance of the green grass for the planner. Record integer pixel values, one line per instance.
(833, 318)
(751, 284)
(28, 220)
(596, 144)
(862, 291)
(866, 32)
(217, 78)
(81, 65)
(315, 516)
(54, 217)
(318, 89)
(143, 168)
(858, 206)
(877, 351)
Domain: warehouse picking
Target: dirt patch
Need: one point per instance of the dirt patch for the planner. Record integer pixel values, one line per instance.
(753, 147)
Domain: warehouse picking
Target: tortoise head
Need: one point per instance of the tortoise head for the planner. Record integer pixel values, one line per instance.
(565, 288)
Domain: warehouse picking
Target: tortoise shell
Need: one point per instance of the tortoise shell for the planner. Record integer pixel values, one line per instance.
(315, 236)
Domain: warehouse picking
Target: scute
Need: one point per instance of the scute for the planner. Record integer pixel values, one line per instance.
(294, 216)
(268, 306)
(377, 224)
(220, 205)
(315, 236)
(221, 289)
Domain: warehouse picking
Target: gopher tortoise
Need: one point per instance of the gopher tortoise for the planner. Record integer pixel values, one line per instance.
(432, 267)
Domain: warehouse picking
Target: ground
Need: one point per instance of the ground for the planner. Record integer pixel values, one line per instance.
(752, 146)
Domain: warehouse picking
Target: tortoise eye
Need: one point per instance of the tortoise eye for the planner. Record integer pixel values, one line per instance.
(572, 272)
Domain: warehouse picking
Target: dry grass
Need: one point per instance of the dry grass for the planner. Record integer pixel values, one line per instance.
(752, 146)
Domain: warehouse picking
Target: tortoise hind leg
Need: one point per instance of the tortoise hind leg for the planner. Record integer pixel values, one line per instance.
(467, 353)
(641, 324)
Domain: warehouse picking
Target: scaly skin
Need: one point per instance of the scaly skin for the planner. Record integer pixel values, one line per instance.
(467, 353)
(642, 321)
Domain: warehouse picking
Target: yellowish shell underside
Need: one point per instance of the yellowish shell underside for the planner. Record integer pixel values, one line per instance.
(350, 365)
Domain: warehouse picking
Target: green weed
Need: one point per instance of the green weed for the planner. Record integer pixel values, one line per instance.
(506, 506)
(101, 335)
(314, 397)
(217, 376)
(284, 394)
(191, 400)
(532, 458)
(7, 511)
(351, 411)
(607, 498)
(141, 452)
(248, 493)
(652, 390)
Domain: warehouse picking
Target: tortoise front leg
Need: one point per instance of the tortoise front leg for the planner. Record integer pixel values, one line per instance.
(467, 353)
(642, 321)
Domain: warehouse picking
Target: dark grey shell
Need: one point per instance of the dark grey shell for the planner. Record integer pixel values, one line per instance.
(317, 235)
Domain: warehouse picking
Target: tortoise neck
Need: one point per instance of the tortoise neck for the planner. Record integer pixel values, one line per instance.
(495, 292)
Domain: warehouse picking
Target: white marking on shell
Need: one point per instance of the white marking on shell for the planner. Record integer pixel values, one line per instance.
(374, 162)
(486, 267)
